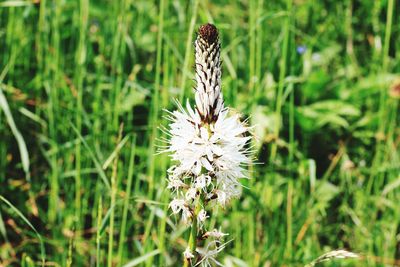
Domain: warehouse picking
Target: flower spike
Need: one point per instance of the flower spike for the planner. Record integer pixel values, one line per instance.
(209, 148)
(208, 95)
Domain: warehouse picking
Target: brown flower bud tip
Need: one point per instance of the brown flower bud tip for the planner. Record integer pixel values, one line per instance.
(395, 89)
(208, 32)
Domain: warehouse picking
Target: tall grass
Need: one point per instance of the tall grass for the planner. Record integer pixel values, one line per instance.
(312, 76)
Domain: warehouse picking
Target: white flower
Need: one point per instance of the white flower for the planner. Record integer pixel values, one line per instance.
(186, 215)
(209, 147)
(219, 148)
(188, 254)
(221, 197)
(177, 205)
(208, 255)
(202, 181)
(202, 216)
(175, 183)
(191, 194)
(206, 138)
(228, 188)
(215, 233)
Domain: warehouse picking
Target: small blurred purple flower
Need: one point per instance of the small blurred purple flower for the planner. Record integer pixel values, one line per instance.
(301, 49)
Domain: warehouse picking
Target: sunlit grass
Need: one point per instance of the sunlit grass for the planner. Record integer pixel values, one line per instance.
(313, 77)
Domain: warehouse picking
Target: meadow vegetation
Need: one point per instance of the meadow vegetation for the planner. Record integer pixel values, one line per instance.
(83, 88)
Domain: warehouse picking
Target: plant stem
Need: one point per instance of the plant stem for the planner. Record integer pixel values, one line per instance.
(188, 53)
(289, 220)
(155, 101)
(98, 232)
(114, 185)
(126, 200)
(282, 74)
(193, 232)
(80, 58)
(383, 109)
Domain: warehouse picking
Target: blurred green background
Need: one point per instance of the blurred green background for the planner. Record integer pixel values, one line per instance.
(318, 79)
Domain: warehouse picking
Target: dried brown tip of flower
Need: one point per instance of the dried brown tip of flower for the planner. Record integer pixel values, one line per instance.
(395, 89)
(208, 32)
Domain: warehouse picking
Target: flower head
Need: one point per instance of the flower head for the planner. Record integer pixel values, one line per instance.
(209, 253)
(217, 234)
(219, 149)
(202, 216)
(179, 205)
(191, 194)
(188, 254)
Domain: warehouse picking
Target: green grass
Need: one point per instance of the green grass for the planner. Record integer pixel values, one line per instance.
(83, 87)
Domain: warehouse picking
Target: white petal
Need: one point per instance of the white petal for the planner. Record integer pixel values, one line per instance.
(196, 168)
(206, 164)
(217, 150)
(204, 133)
(209, 153)
(199, 103)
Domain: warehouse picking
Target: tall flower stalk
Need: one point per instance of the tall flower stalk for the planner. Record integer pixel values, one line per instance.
(209, 148)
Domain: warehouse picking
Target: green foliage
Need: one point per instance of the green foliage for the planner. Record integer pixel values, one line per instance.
(313, 77)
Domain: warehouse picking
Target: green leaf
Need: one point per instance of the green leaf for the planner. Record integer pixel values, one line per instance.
(325, 191)
(332, 120)
(337, 107)
(133, 98)
(18, 136)
(143, 258)
(19, 213)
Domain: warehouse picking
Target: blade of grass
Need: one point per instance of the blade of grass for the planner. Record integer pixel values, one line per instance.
(114, 185)
(114, 154)
(80, 58)
(18, 136)
(142, 259)
(153, 122)
(93, 157)
(98, 232)
(3, 229)
(126, 200)
(188, 51)
(19, 213)
(282, 75)
(383, 107)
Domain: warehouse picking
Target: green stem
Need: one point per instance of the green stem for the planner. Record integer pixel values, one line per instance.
(98, 232)
(388, 32)
(80, 57)
(289, 220)
(188, 54)
(155, 102)
(126, 200)
(282, 74)
(385, 62)
(114, 184)
(382, 100)
(193, 232)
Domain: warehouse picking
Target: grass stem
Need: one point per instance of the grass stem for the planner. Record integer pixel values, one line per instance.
(114, 185)
(281, 84)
